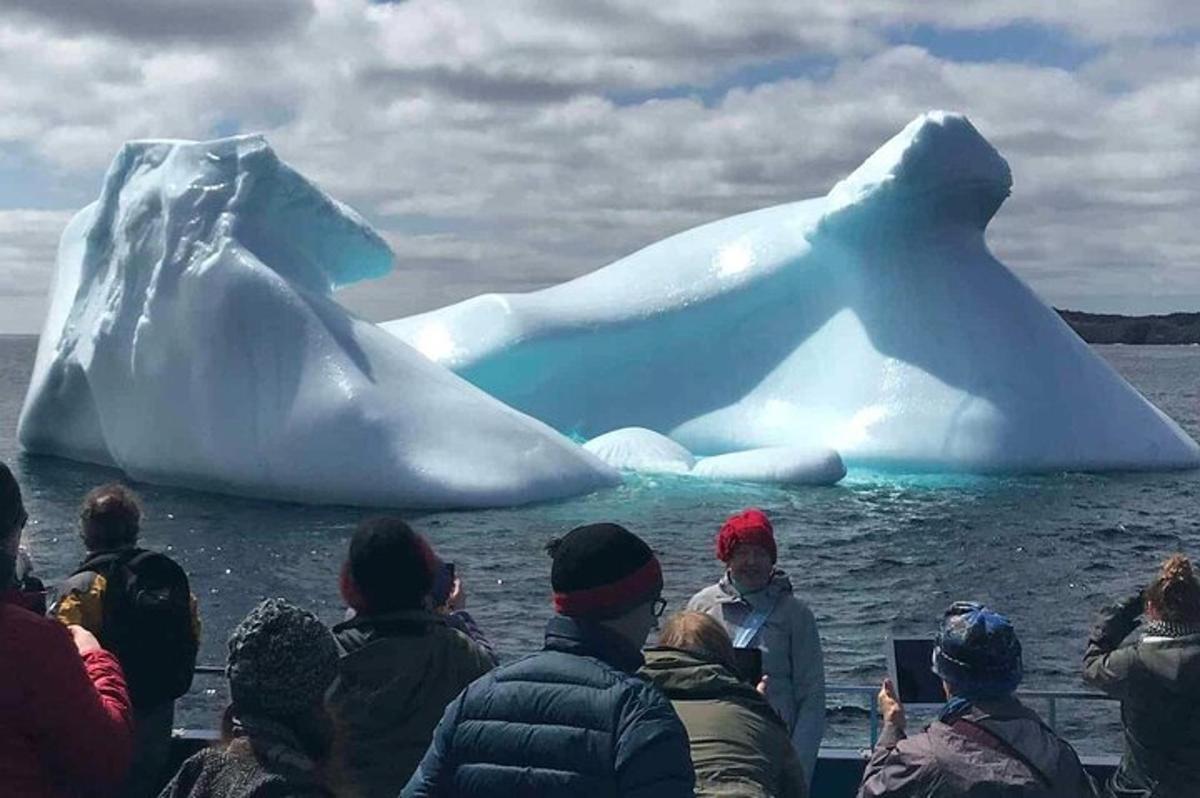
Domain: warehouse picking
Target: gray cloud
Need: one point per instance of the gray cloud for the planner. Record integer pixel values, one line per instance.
(169, 20)
(492, 121)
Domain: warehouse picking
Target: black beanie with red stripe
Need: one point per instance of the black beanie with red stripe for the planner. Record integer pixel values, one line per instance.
(602, 571)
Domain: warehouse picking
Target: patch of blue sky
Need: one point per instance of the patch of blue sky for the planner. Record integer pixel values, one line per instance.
(27, 184)
(810, 66)
(225, 127)
(1019, 42)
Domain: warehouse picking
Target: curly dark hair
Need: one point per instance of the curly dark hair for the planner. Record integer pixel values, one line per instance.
(110, 517)
(1175, 593)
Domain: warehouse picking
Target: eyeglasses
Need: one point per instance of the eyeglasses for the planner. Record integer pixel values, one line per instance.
(660, 605)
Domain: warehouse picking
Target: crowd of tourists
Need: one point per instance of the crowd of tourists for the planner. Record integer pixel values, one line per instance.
(408, 696)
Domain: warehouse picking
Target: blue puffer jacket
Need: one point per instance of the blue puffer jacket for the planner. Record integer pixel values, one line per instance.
(571, 720)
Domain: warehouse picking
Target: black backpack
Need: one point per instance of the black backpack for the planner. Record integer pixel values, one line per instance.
(147, 622)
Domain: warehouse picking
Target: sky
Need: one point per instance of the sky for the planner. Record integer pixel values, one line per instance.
(507, 145)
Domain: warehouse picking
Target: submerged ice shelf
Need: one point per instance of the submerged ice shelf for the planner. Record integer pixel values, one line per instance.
(873, 321)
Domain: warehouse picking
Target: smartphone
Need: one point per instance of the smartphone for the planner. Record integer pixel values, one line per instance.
(443, 583)
(749, 664)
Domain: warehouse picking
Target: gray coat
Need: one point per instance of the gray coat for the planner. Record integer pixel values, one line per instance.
(995, 749)
(1157, 678)
(791, 655)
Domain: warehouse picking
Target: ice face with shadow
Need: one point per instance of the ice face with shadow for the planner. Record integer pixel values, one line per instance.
(193, 340)
(873, 321)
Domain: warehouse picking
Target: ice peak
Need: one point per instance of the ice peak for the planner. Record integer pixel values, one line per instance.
(936, 154)
(203, 194)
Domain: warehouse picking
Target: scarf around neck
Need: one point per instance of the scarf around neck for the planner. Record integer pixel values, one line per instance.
(1170, 629)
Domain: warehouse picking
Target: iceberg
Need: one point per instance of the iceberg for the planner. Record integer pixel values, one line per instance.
(784, 465)
(193, 340)
(645, 451)
(642, 451)
(873, 321)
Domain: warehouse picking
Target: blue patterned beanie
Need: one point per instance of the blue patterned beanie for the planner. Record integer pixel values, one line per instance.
(977, 652)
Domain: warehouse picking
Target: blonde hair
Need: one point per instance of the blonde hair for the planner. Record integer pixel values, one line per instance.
(698, 634)
(1175, 593)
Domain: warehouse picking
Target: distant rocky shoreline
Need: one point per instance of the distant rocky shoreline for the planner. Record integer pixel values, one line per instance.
(1095, 328)
(1092, 328)
(1110, 328)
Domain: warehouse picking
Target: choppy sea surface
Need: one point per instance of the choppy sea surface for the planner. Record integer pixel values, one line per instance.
(876, 555)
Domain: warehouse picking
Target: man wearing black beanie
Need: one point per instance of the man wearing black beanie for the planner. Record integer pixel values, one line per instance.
(573, 719)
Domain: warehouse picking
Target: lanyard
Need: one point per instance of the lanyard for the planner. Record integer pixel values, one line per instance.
(753, 624)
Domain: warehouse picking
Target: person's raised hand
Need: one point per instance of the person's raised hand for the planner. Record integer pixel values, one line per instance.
(457, 599)
(890, 706)
(84, 640)
(762, 685)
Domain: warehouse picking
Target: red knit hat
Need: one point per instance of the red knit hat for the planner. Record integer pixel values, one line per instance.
(749, 526)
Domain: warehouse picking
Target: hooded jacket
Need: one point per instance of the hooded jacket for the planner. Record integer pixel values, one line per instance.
(994, 749)
(1157, 679)
(739, 745)
(570, 721)
(397, 673)
(791, 654)
(68, 722)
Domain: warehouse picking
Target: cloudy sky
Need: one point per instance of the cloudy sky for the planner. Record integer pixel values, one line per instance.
(504, 145)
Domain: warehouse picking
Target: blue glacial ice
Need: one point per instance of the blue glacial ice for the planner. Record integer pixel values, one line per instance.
(193, 340)
(873, 321)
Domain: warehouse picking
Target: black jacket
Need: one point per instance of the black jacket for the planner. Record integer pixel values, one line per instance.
(1157, 678)
(396, 676)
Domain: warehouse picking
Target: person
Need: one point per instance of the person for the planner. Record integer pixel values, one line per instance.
(27, 589)
(984, 742)
(276, 733)
(755, 602)
(1157, 678)
(139, 606)
(401, 664)
(572, 719)
(739, 745)
(68, 723)
(449, 599)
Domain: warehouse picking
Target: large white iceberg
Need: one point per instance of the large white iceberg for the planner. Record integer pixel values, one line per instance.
(873, 321)
(193, 340)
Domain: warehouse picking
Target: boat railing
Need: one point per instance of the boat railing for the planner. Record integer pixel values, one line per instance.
(1050, 697)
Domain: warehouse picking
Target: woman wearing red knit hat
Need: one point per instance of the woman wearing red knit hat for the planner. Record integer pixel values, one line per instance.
(755, 603)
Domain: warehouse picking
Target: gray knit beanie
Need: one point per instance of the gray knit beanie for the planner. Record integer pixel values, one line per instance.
(282, 659)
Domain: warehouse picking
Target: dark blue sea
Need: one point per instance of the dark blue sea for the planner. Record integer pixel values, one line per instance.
(874, 555)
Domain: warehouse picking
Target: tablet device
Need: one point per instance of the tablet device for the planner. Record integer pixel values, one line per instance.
(910, 664)
(749, 664)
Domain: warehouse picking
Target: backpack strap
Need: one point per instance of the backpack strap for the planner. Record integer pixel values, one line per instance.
(984, 737)
(105, 562)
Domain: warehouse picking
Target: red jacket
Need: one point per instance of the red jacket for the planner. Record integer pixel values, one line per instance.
(67, 723)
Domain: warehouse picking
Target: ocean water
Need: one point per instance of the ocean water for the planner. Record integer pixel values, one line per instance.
(876, 555)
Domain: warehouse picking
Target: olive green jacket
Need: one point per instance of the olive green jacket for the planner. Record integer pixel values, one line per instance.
(739, 745)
